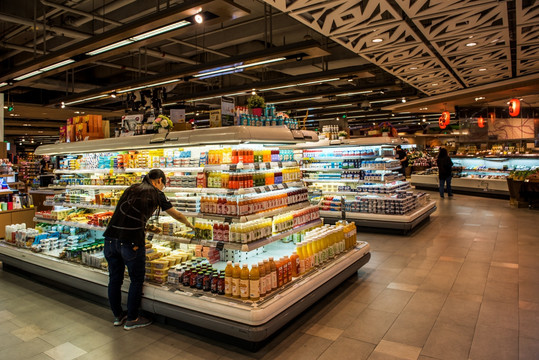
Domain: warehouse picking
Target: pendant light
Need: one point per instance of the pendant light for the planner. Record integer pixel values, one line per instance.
(481, 122)
(514, 107)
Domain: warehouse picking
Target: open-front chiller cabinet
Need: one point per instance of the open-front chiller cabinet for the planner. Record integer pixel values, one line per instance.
(360, 180)
(246, 199)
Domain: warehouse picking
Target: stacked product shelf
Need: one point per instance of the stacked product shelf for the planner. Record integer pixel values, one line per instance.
(231, 219)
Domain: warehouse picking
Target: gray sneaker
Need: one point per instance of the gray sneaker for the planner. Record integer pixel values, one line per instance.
(118, 321)
(138, 323)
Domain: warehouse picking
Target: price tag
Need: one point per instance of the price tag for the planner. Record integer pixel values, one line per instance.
(268, 166)
(232, 167)
(267, 188)
(220, 245)
(228, 220)
(280, 164)
(258, 190)
(285, 185)
(257, 166)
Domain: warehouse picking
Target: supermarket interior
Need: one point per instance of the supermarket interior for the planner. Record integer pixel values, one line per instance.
(342, 179)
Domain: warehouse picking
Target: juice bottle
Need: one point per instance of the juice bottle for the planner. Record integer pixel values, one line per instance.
(308, 255)
(280, 270)
(301, 254)
(294, 259)
(236, 273)
(244, 282)
(228, 278)
(262, 275)
(289, 269)
(254, 283)
(267, 269)
(273, 269)
(225, 234)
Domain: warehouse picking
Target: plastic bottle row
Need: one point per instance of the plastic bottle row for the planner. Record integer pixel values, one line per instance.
(233, 206)
(256, 229)
(225, 180)
(247, 156)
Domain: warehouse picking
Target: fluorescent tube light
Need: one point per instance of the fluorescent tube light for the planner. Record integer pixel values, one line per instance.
(234, 68)
(57, 65)
(355, 93)
(110, 47)
(278, 87)
(3, 84)
(231, 71)
(298, 100)
(381, 101)
(29, 75)
(147, 86)
(263, 62)
(87, 99)
(318, 81)
(161, 30)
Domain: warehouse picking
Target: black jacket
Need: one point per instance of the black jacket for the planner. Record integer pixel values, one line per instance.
(445, 165)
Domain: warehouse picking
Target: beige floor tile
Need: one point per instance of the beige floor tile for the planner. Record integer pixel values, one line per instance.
(428, 302)
(503, 274)
(529, 291)
(366, 292)
(370, 326)
(24, 350)
(348, 349)
(6, 315)
(529, 323)
(391, 300)
(504, 265)
(459, 311)
(402, 286)
(7, 327)
(326, 332)
(411, 276)
(305, 347)
(498, 314)
(340, 314)
(528, 274)
(398, 350)
(494, 343)
(501, 291)
(411, 328)
(437, 283)
(527, 348)
(383, 276)
(28, 332)
(395, 262)
(479, 256)
(66, 351)
(448, 341)
(526, 305)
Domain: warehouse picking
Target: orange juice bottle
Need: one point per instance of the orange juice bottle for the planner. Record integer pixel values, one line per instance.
(301, 254)
(228, 278)
(288, 267)
(267, 269)
(236, 274)
(244, 282)
(294, 259)
(254, 283)
(262, 275)
(309, 256)
(273, 268)
(280, 276)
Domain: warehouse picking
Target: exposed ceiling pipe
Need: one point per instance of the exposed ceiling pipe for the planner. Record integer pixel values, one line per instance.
(80, 12)
(128, 68)
(55, 29)
(103, 11)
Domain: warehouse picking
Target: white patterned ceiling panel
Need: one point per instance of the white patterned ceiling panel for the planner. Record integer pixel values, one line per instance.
(480, 58)
(417, 8)
(527, 12)
(414, 66)
(528, 59)
(485, 41)
(489, 72)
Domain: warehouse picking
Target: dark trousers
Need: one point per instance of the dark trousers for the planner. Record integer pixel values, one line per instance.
(447, 181)
(119, 255)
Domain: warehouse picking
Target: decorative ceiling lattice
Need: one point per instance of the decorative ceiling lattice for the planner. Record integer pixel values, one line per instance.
(436, 46)
(527, 37)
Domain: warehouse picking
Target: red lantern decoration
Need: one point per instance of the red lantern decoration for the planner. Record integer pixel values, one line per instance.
(441, 122)
(514, 107)
(447, 117)
(481, 122)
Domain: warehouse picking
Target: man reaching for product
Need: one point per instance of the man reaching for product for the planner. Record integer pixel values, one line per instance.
(125, 244)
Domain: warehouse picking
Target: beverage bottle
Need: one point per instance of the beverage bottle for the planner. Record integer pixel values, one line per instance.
(244, 282)
(288, 267)
(225, 234)
(301, 254)
(236, 273)
(280, 270)
(294, 259)
(262, 275)
(254, 283)
(273, 269)
(228, 278)
(267, 270)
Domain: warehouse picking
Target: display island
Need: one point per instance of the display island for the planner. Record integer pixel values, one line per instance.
(248, 204)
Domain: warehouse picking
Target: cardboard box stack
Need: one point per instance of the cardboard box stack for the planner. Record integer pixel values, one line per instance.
(80, 127)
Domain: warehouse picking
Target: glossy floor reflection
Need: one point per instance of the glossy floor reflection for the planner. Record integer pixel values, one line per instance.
(465, 286)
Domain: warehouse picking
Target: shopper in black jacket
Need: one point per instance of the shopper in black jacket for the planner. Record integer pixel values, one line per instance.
(125, 245)
(445, 166)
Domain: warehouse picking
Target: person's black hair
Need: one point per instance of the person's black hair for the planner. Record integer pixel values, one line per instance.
(398, 147)
(154, 174)
(443, 153)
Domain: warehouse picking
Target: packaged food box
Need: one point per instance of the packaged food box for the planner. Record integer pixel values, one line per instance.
(160, 279)
(159, 264)
(162, 271)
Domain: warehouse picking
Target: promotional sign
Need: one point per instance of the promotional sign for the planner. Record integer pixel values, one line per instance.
(215, 118)
(177, 116)
(227, 111)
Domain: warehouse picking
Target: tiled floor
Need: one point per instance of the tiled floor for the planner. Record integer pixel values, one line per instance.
(466, 285)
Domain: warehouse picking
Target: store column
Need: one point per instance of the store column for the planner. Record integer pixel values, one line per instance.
(2, 117)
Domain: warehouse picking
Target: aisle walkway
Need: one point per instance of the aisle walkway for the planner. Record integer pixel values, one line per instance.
(464, 286)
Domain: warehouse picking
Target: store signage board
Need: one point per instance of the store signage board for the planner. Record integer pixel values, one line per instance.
(177, 116)
(227, 111)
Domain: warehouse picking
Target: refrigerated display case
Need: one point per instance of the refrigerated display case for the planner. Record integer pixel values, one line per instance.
(93, 185)
(478, 175)
(359, 180)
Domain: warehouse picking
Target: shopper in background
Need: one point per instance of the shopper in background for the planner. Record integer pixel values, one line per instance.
(403, 158)
(125, 244)
(445, 166)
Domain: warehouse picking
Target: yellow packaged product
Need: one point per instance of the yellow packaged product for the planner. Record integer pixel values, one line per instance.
(160, 279)
(159, 264)
(148, 277)
(162, 271)
(171, 260)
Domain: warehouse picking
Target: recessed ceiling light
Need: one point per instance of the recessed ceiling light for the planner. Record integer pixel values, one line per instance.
(423, 108)
(434, 84)
(413, 68)
(377, 40)
(483, 69)
(199, 19)
(471, 44)
(479, 98)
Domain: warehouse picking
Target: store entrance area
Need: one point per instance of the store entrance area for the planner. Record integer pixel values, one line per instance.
(463, 286)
